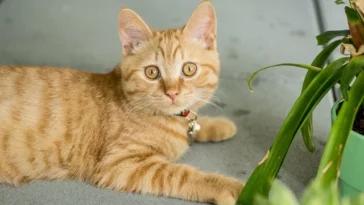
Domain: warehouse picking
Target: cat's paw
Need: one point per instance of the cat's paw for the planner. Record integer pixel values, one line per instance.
(230, 194)
(226, 199)
(216, 129)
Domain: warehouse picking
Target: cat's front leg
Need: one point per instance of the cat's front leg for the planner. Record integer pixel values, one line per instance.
(215, 129)
(151, 174)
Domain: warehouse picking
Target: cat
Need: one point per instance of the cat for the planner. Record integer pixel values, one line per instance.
(120, 130)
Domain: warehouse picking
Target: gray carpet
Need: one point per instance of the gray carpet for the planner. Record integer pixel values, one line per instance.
(83, 34)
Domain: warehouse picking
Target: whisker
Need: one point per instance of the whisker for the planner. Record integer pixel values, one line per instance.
(213, 98)
(138, 105)
(216, 99)
(211, 103)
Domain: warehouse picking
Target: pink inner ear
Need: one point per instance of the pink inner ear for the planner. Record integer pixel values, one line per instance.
(131, 37)
(202, 24)
(209, 28)
(204, 30)
(132, 30)
(135, 34)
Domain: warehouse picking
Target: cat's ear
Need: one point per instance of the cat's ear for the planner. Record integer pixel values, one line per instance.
(202, 25)
(133, 31)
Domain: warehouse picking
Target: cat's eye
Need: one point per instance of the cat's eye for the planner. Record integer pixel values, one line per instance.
(152, 72)
(189, 69)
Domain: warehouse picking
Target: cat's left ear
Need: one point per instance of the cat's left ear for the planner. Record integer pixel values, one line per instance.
(133, 31)
(202, 25)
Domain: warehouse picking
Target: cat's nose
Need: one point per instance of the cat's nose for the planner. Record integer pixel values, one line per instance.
(172, 94)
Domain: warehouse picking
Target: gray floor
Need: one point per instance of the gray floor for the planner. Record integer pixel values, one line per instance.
(83, 34)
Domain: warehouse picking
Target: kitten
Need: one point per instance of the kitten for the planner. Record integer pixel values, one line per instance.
(119, 130)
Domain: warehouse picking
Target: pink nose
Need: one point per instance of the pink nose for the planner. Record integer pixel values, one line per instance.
(172, 94)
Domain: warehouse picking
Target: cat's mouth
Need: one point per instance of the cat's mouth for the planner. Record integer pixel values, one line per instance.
(175, 109)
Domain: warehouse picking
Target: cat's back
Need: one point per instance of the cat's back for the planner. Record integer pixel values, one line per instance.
(28, 91)
(20, 75)
(19, 81)
(39, 109)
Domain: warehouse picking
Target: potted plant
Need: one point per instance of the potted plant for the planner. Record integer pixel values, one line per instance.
(343, 156)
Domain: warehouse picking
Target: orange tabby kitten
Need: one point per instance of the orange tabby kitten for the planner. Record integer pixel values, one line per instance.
(119, 130)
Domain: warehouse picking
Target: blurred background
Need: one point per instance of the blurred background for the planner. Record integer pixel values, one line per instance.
(83, 35)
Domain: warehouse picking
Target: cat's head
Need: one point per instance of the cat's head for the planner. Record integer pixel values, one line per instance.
(170, 70)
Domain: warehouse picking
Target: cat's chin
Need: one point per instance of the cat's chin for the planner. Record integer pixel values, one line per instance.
(176, 108)
(173, 110)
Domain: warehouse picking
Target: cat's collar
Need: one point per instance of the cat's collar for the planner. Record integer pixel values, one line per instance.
(193, 126)
(185, 113)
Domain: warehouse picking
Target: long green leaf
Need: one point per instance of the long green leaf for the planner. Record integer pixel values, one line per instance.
(353, 16)
(356, 26)
(331, 158)
(319, 61)
(315, 195)
(358, 200)
(251, 78)
(352, 69)
(327, 36)
(280, 194)
(261, 179)
(260, 200)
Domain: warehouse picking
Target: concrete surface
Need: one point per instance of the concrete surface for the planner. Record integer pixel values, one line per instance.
(83, 34)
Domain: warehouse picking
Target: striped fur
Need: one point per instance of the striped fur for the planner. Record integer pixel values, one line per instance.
(116, 130)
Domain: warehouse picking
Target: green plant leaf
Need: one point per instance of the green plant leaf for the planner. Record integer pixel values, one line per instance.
(355, 65)
(251, 78)
(352, 15)
(313, 194)
(358, 200)
(331, 158)
(316, 195)
(339, 2)
(262, 177)
(324, 55)
(327, 36)
(280, 194)
(260, 200)
(319, 61)
(356, 26)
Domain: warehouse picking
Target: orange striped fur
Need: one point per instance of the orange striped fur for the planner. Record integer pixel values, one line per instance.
(118, 130)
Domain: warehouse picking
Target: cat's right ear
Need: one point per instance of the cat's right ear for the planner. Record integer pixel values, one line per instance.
(202, 25)
(133, 31)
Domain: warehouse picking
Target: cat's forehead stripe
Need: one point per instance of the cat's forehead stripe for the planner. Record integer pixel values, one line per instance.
(168, 45)
(178, 48)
